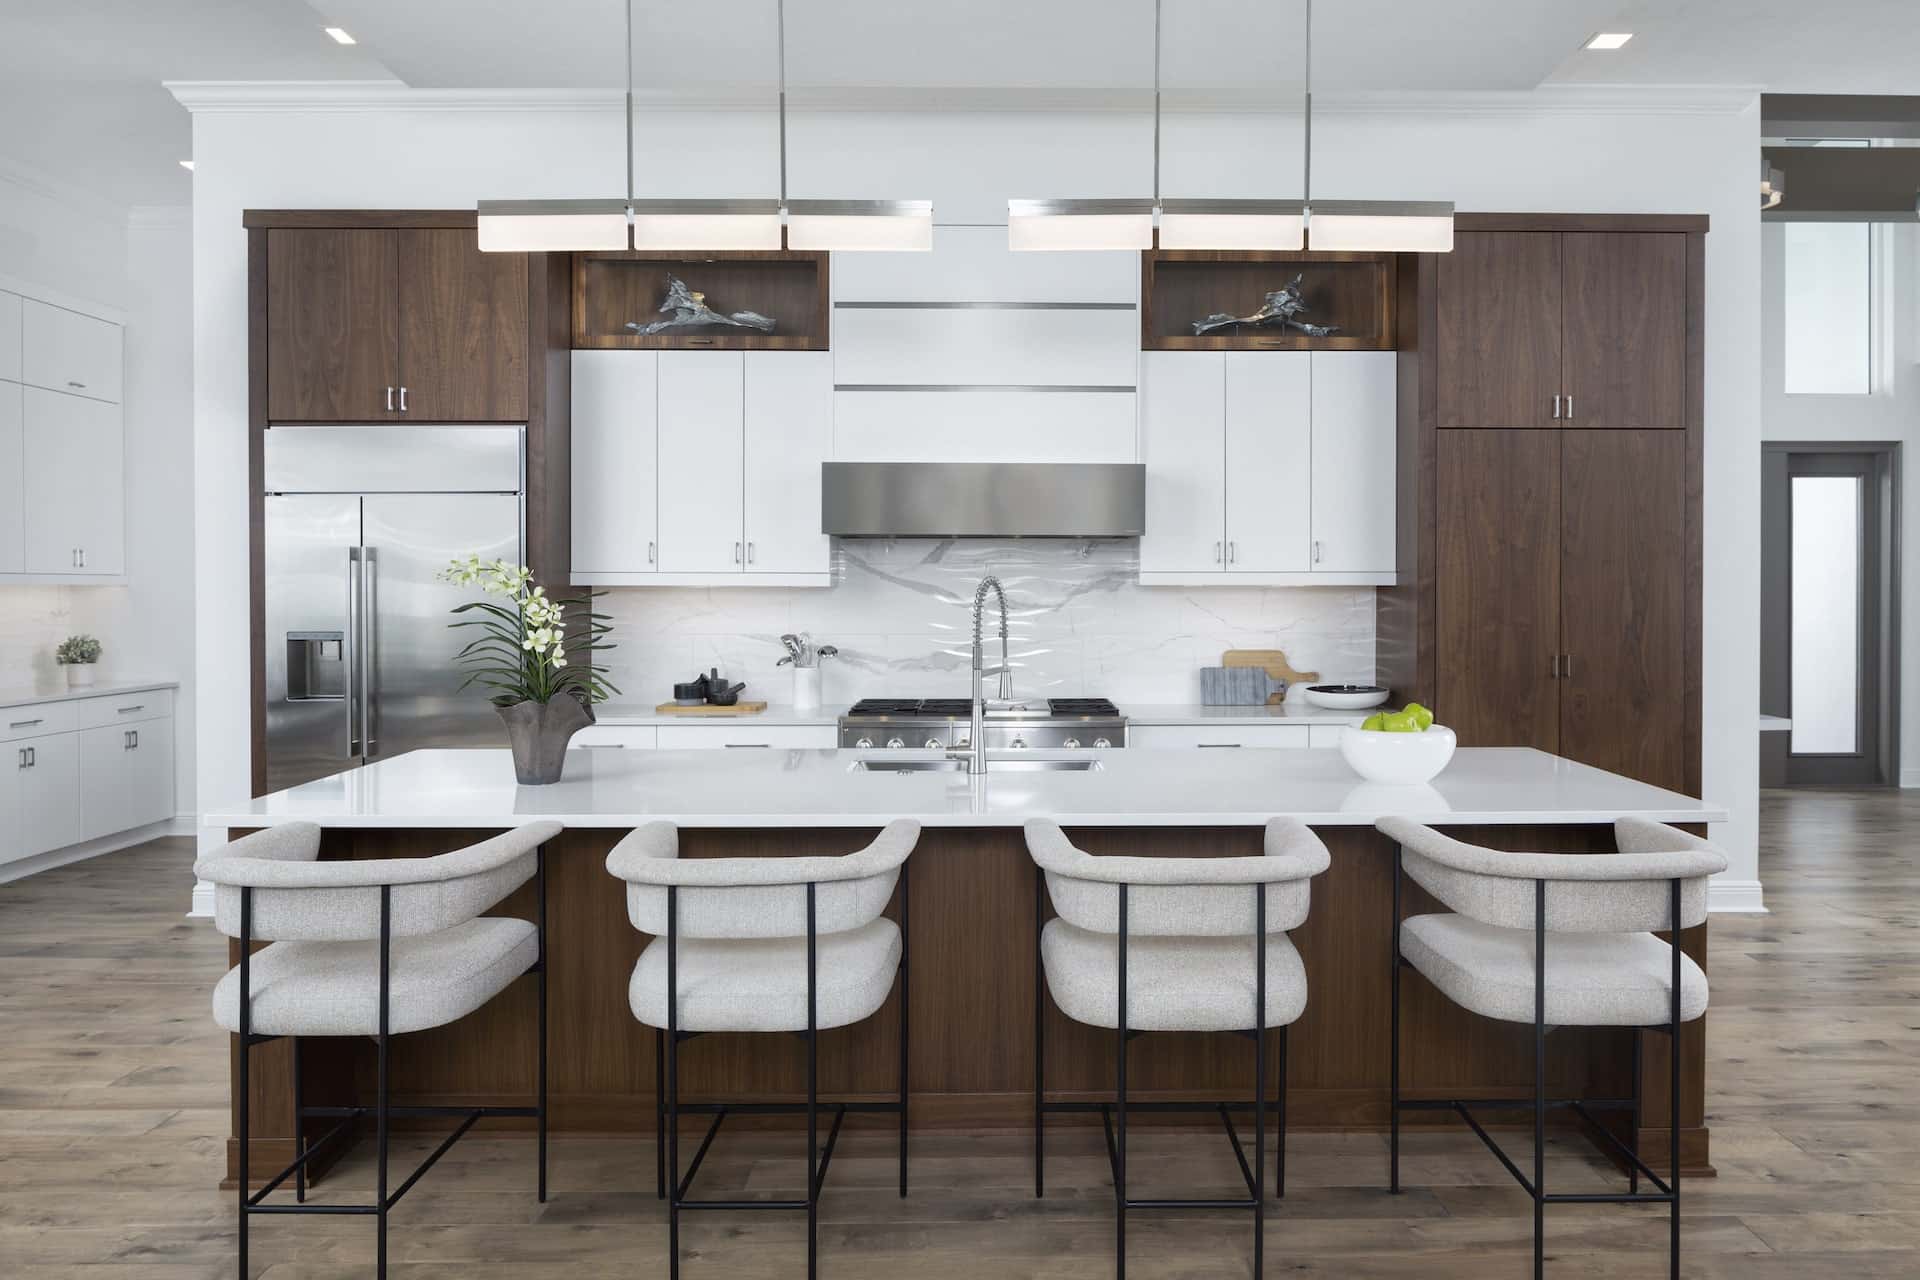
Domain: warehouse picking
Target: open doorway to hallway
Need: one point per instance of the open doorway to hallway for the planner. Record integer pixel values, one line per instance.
(1830, 616)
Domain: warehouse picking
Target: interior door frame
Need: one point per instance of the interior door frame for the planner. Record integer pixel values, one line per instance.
(1879, 668)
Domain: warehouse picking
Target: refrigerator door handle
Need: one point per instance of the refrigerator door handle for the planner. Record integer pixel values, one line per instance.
(354, 656)
(370, 661)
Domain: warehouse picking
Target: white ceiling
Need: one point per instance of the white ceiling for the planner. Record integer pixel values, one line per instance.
(81, 98)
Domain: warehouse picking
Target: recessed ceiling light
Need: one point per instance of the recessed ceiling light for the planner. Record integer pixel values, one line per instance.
(187, 165)
(339, 35)
(1609, 39)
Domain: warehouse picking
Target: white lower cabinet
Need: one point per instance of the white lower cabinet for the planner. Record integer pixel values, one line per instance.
(1221, 736)
(684, 737)
(700, 468)
(1268, 468)
(13, 479)
(613, 737)
(46, 793)
(83, 768)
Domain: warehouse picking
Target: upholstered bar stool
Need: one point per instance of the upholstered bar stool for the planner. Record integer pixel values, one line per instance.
(1172, 944)
(1559, 940)
(370, 948)
(770, 945)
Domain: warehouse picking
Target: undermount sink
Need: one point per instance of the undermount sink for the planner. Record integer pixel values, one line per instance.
(960, 766)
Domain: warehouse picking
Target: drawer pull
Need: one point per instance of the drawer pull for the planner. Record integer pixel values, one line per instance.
(731, 746)
(24, 724)
(1217, 746)
(138, 706)
(603, 746)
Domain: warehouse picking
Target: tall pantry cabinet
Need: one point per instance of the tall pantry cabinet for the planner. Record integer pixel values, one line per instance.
(1549, 546)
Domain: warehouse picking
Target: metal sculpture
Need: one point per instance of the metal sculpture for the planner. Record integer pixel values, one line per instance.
(1281, 310)
(686, 309)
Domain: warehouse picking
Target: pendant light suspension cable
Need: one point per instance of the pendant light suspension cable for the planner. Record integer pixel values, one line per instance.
(780, 12)
(629, 101)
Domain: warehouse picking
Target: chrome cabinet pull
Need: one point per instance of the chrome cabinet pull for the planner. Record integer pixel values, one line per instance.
(1566, 666)
(736, 553)
(1219, 555)
(1556, 408)
(80, 385)
(653, 555)
(403, 399)
(1233, 553)
(24, 724)
(1317, 545)
(1218, 746)
(736, 746)
(33, 758)
(138, 706)
(389, 399)
(1569, 406)
(749, 553)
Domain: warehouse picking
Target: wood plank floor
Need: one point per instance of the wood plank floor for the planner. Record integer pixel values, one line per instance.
(113, 1113)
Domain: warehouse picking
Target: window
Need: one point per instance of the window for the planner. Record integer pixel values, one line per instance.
(1826, 523)
(1828, 308)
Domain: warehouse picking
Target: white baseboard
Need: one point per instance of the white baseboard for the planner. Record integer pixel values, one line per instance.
(1735, 896)
(1910, 777)
(180, 826)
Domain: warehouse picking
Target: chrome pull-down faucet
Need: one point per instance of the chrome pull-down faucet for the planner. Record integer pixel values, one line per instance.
(976, 741)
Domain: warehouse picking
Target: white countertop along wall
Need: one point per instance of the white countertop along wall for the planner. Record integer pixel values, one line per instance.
(799, 788)
(630, 713)
(34, 694)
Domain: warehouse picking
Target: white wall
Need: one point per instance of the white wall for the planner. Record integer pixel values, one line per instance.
(1890, 413)
(88, 252)
(1554, 151)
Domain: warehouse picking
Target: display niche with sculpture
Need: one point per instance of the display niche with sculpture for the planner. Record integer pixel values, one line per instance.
(1287, 300)
(1281, 309)
(686, 308)
(762, 300)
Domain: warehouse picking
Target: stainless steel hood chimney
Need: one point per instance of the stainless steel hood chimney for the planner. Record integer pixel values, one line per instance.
(984, 499)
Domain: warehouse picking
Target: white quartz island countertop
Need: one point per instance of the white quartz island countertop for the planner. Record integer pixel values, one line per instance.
(817, 788)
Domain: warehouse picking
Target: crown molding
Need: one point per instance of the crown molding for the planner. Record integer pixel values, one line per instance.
(308, 97)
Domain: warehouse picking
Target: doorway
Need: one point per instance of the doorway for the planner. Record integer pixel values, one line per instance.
(1829, 604)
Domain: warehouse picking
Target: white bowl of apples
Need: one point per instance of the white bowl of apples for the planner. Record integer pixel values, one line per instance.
(1400, 748)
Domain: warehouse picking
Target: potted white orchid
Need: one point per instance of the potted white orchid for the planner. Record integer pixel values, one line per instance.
(536, 654)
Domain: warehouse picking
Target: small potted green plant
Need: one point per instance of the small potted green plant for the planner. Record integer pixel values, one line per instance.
(77, 656)
(535, 653)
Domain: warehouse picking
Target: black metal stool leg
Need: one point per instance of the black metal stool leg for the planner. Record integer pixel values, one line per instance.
(1673, 1101)
(1539, 1077)
(381, 1103)
(673, 1083)
(540, 996)
(246, 1052)
(1393, 1068)
(813, 1096)
(299, 1126)
(906, 992)
(1280, 1150)
(659, 1114)
(1039, 1039)
(1120, 1107)
(1260, 1082)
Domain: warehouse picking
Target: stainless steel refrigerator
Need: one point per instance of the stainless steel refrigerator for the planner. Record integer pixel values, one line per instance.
(359, 523)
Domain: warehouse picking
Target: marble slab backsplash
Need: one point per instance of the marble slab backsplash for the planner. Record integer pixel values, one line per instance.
(900, 612)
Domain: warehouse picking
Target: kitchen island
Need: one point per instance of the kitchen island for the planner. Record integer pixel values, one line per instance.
(971, 928)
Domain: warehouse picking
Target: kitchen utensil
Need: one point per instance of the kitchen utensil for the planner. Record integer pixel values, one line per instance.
(722, 694)
(691, 694)
(1346, 697)
(1401, 759)
(737, 708)
(1274, 662)
(1238, 686)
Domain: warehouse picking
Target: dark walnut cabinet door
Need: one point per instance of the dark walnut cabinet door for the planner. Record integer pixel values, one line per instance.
(1625, 343)
(1622, 612)
(463, 329)
(333, 350)
(1499, 330)
(1498, 606)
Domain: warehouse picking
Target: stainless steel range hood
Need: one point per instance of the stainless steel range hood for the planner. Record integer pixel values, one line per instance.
(984, 499)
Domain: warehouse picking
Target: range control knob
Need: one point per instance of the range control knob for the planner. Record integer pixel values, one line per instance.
(934, 744)
(894, 744)
(1018, 744)
(1071, 743)
(1101, 742)
(963, 743)
(864, 743)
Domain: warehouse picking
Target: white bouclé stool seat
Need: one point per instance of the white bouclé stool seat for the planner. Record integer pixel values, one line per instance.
(760, 984)
(1173, 984)
(1593, 979)
(333, 988)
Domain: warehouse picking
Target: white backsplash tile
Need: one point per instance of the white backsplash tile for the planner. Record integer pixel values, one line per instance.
(900, 612)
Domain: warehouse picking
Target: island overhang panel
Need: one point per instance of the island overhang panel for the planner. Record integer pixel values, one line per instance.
(974, 898)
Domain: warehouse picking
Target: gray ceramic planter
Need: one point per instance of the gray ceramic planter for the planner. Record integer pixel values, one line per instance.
(539, 733)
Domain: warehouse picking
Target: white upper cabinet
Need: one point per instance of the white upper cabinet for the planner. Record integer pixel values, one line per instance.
(974, 264)
(1269, 452)
(701, 452)
(1268, 468)
(700, 468)
(1354, 455)
(64, 350)
(788, 434)
(74, 486)
(13, 478)
(615, 435)
(1183, 442)
(10, 304)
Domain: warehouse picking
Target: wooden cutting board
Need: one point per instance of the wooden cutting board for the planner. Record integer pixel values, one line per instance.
(741, 708)
(1276, 665)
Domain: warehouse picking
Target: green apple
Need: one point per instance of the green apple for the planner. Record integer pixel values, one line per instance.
(1421, 715)
(1376, 722)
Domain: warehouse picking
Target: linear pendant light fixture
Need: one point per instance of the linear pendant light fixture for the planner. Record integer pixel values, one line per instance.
(524, 226)
(1357, 225)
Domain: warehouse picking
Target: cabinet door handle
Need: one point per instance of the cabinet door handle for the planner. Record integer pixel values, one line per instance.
(1566, 666)
(1233, 551)
(138, 706)
(403, 399)
(1556, 408)
(1316, 551)
(1569, 406)
(749, 553)
(33, 757)
(1218, 746)
(735, 746)
(653, 553)
(736, 553)
(77, 385)
(23, 724)
(1219, 554)
(389, 399)
(83, 557)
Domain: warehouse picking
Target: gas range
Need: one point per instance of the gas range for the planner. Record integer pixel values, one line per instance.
(945, 723)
